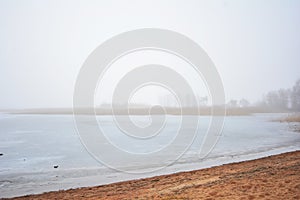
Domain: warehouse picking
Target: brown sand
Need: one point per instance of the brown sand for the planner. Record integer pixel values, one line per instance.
(274, 177)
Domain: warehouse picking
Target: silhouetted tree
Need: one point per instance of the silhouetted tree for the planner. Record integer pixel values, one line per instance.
(278, 100)
(232, 103)
(244, 103)
(284, 98)
(295, 96)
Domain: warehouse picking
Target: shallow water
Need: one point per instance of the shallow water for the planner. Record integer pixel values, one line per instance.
(33, 144)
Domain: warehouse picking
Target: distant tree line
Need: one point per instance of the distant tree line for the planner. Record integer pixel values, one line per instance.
(238, 103)
(276, 100)
(283, 99)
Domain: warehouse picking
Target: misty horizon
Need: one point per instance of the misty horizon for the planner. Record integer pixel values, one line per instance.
(41, 55)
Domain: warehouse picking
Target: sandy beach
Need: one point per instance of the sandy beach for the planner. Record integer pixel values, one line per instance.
(274, 177)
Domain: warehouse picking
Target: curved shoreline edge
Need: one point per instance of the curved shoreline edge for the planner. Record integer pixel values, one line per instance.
(273, 176)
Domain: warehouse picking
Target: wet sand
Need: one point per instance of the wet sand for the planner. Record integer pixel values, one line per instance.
(274, 177)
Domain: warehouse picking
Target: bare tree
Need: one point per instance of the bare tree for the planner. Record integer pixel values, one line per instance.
(284, 98)
(232, 103)
(278, 100)
(244, 103)
(295, 96)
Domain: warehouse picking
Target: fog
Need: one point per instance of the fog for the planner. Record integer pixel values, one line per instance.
(254, 45)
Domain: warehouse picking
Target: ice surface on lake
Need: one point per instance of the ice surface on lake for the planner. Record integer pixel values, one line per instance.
(33, 144)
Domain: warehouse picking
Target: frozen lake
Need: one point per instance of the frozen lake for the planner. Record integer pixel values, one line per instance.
(32, 144)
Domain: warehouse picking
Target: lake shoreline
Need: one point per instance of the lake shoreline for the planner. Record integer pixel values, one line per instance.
(201, 111)
(268, 177)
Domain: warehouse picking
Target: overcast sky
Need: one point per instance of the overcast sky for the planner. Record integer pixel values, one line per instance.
(255, 45)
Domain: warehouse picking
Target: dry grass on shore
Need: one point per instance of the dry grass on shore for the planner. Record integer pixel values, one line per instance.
(293, 118)
(293, 121)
